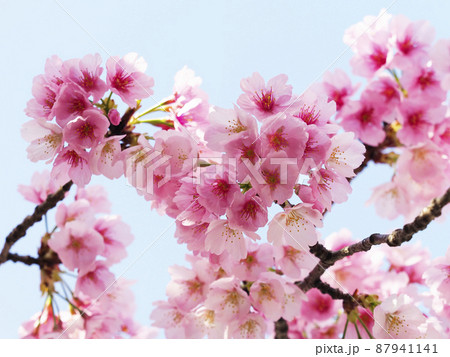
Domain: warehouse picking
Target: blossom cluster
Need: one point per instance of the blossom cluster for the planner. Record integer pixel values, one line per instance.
(402, 107)
(243, 300)
(71, 120)
(219, 173)
(272, 147)
(87, 241)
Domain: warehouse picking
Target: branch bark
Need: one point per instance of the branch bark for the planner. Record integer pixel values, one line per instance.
(394, 239)
(40, 210)
(25, 259)
(281, 329)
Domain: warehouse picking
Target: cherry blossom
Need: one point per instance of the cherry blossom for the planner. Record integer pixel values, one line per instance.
(295, 227)
(397, 317)
(263, 99)
(126, 78)
(77, 245)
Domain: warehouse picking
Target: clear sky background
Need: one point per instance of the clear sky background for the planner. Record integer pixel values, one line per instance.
(223, 41)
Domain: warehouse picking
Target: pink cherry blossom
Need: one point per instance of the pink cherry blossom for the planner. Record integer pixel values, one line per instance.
(41, 106)
(282, 133)
(217, 189)
(209, 324)
(397, 317)
(194, 235)
(246, 152)
(316, 147)
(188, 287)
(345, 154)
(365, 117)
(226, 125)
(328, 330)
(267, 296)
(263, 99)
(423, 163)
(79, 210)
(370, 25)
(52, 70)
(423, 82)
(191, 106)
(247, 211)
(96, 196)
(116, 236)
(190, 209)
(259, 258)
(328, 187)
(72, 164)
(105, 158)
(41, 186)
(441, 135)
(293, 298)
(411, 39)
(99, 326)
(314, 108)
(276, 177)
(296, 227)
(86, 73)
(417, 118)
(293, 261)
(46, 139)
(117, 301)
(77, 245)
(45, 324)
(391, 199)
(87, 130)
(221, 237)
(386, 87)
(440, 56)
(228, 299)
(71, 102)
(249, 327)
(338, 87)
(114, 117)
(318, 306)
(371, 53)
(437, 277)
(126, 78)
(352, 272)
(94, 281)
(180, 149)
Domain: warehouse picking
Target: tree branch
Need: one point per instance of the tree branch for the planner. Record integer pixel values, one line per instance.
(281, 329)
(25, 259)
(394, 239)
(335, 293)
(40, 210)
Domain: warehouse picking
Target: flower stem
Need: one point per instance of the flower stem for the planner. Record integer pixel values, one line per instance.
(345, 329)
(155, 121)
(365, 327)
(158, 107)
(357, 331)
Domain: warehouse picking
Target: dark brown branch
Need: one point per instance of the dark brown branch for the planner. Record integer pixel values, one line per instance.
(394, 239)
(40, 210)
(333, 292)
(320, 251)
(25, 259)
(119, 129)
(281, 329)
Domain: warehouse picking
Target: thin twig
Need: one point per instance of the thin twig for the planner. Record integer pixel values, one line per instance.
(25, 259)
(40, 210)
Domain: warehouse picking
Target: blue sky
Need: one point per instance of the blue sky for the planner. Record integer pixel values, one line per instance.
(223, 41)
